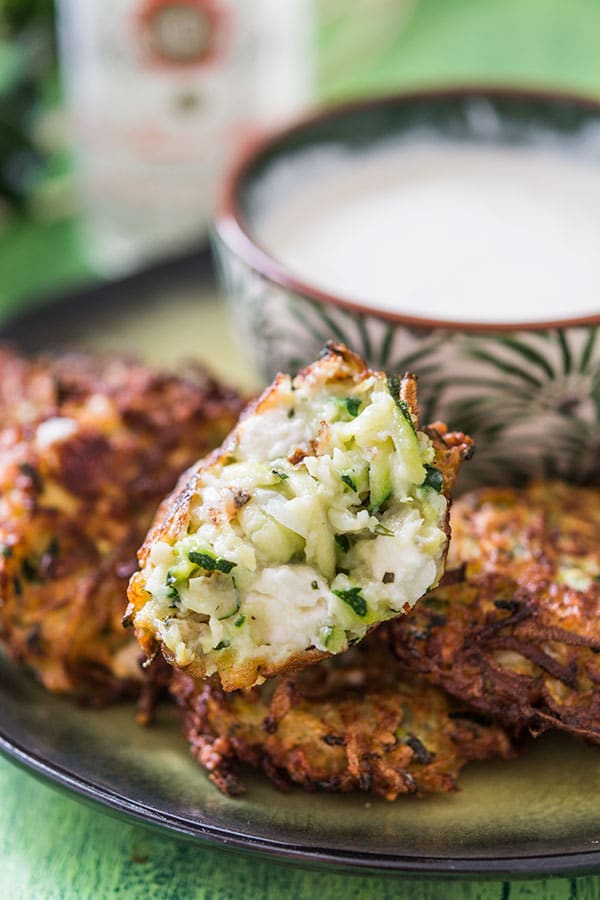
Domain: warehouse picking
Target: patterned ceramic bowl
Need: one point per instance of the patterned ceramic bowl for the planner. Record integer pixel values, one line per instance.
(528, 392)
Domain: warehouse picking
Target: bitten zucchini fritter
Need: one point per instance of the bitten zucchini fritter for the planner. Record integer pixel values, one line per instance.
(323, 514)
(517, 635)
(349, 722)
(89, 445)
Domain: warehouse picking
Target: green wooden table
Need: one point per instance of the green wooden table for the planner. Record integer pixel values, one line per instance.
(51, 846)
(54, 847)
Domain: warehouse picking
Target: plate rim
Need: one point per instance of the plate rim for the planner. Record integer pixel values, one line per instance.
(106, 800)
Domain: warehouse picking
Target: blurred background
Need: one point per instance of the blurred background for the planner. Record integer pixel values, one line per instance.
(117, 117)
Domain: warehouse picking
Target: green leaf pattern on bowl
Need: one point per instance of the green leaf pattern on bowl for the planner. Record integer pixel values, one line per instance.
(531, 398)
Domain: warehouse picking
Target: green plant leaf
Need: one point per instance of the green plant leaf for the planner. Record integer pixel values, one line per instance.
(528, 352)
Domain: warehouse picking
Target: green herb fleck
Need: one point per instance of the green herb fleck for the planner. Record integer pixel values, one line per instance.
(314, 585)
(343, 542)
(348, 480)
(354, 599)
(6, 551)
(350, 404)
(239, 621)
(223, 645)
(209, 562)
(172, 593)
(433, 479)
(204, 560)
(291, 413)
(280, 474)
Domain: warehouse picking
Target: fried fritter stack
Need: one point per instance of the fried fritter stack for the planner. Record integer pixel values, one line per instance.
(517, 636)
(89, 446)
(507, 645)
(350, 722)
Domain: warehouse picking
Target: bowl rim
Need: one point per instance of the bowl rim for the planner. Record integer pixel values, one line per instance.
(233, 229)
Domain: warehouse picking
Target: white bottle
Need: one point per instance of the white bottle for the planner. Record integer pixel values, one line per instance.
(160, 92)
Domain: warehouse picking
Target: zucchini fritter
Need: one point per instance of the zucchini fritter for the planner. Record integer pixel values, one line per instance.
(89, 445)
(517, 635)
(348, 722)
(323, 514)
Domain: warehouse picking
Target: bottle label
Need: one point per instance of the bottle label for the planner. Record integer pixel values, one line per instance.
(160, 93)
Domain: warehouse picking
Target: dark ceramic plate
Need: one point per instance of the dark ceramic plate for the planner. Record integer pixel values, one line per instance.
(538, 814)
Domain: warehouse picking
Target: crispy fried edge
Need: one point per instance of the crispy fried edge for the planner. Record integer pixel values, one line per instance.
(519, 715)
(206, 708)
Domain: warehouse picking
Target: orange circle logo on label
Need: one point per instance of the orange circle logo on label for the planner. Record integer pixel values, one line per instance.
(180, 32)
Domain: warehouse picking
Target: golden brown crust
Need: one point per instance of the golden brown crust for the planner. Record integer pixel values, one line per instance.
(336, 364)
(452, 448)
(517, 633)
(74, 510)
(350, 723)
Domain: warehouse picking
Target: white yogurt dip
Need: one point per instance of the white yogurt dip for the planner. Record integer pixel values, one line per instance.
(446, 231)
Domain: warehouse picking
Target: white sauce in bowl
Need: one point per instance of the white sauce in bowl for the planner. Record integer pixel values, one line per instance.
(446, 231)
